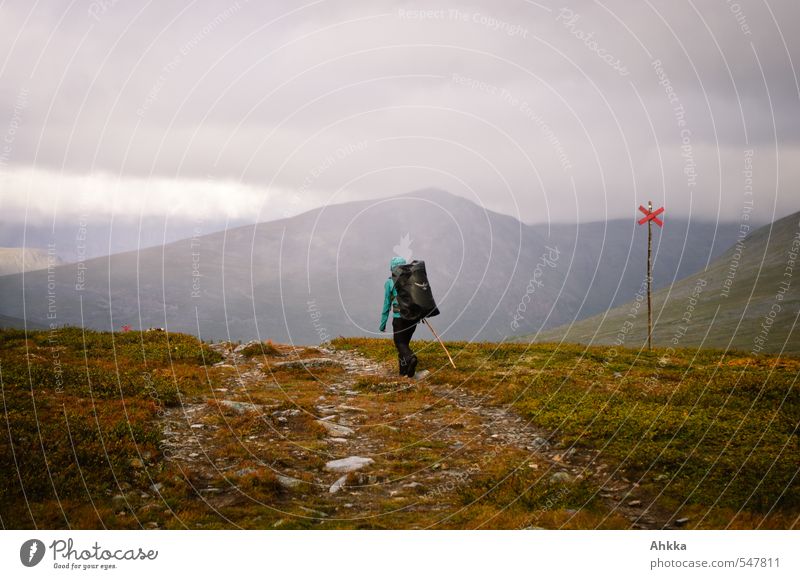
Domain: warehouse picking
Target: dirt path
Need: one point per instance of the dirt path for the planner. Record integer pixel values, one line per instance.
(289, 414)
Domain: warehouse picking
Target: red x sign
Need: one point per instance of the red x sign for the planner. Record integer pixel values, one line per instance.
(651, 216)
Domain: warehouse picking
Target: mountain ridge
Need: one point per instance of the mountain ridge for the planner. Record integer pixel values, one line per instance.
(264, 279)
(739, 287)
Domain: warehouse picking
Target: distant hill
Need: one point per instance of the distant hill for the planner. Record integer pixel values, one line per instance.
(320, 274)
(747, 299)
(15, 259)
(19, 324)
(607, 259)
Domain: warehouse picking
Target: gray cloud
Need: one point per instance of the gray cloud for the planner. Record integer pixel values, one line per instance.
(545, 110)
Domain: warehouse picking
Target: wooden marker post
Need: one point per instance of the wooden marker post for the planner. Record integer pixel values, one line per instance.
(649, 216)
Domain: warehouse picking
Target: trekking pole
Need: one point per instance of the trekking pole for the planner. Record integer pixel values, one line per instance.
(430, 327)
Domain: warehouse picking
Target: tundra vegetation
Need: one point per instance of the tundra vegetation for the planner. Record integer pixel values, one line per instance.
(161, 430)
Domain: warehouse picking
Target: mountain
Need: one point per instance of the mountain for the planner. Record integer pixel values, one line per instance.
(608, 259)
(18, 323)
(99, 235)
(320, 274)
(15, 259)
(747, 299)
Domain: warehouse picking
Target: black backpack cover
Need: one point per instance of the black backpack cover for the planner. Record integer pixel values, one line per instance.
(414, 295)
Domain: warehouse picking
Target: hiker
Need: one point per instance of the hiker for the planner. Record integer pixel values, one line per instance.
(403, 329)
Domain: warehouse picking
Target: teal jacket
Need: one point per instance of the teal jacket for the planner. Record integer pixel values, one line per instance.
(389, 295)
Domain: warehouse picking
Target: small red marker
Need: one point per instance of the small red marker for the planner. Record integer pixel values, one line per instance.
(651, 215)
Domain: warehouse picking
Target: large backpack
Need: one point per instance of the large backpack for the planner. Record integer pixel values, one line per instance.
(414, 295)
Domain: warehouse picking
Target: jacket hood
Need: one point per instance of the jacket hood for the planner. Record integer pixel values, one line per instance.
(395, 262)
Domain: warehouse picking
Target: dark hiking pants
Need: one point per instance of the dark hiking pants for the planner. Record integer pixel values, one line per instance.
(403, 330)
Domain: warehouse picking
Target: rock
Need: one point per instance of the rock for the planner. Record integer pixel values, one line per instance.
(306, 363)
(336, 430)
(539, 443)
(245, 471)
(681, 522)
(635, 503)
(239, 407)
(337, 440)
(196, 426)
(560, 477)
(152, 525)
(288, 482)
(350, 408)
(422, 374)
(417, 487)
(156, 487)
(338, 485)
(241, 347)
(349, 464)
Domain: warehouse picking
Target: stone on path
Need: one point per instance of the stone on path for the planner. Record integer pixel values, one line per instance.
(287, 481)
(338, 485)
(306, 363)
(239, 407)
(349, 464)
(350, 408)
(539, 443)
(336, 430)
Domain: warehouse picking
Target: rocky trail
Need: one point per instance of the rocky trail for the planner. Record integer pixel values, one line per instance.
(347, 443)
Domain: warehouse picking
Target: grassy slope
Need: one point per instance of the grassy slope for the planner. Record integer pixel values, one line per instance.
(714, 321)
(714, 434)
(79, 413)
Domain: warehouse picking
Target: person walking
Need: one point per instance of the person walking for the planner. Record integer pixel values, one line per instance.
(402, 329)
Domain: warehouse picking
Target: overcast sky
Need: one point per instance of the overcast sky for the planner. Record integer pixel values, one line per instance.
(571, 111)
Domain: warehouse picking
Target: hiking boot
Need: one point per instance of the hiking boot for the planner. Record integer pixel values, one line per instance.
(412, 367)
